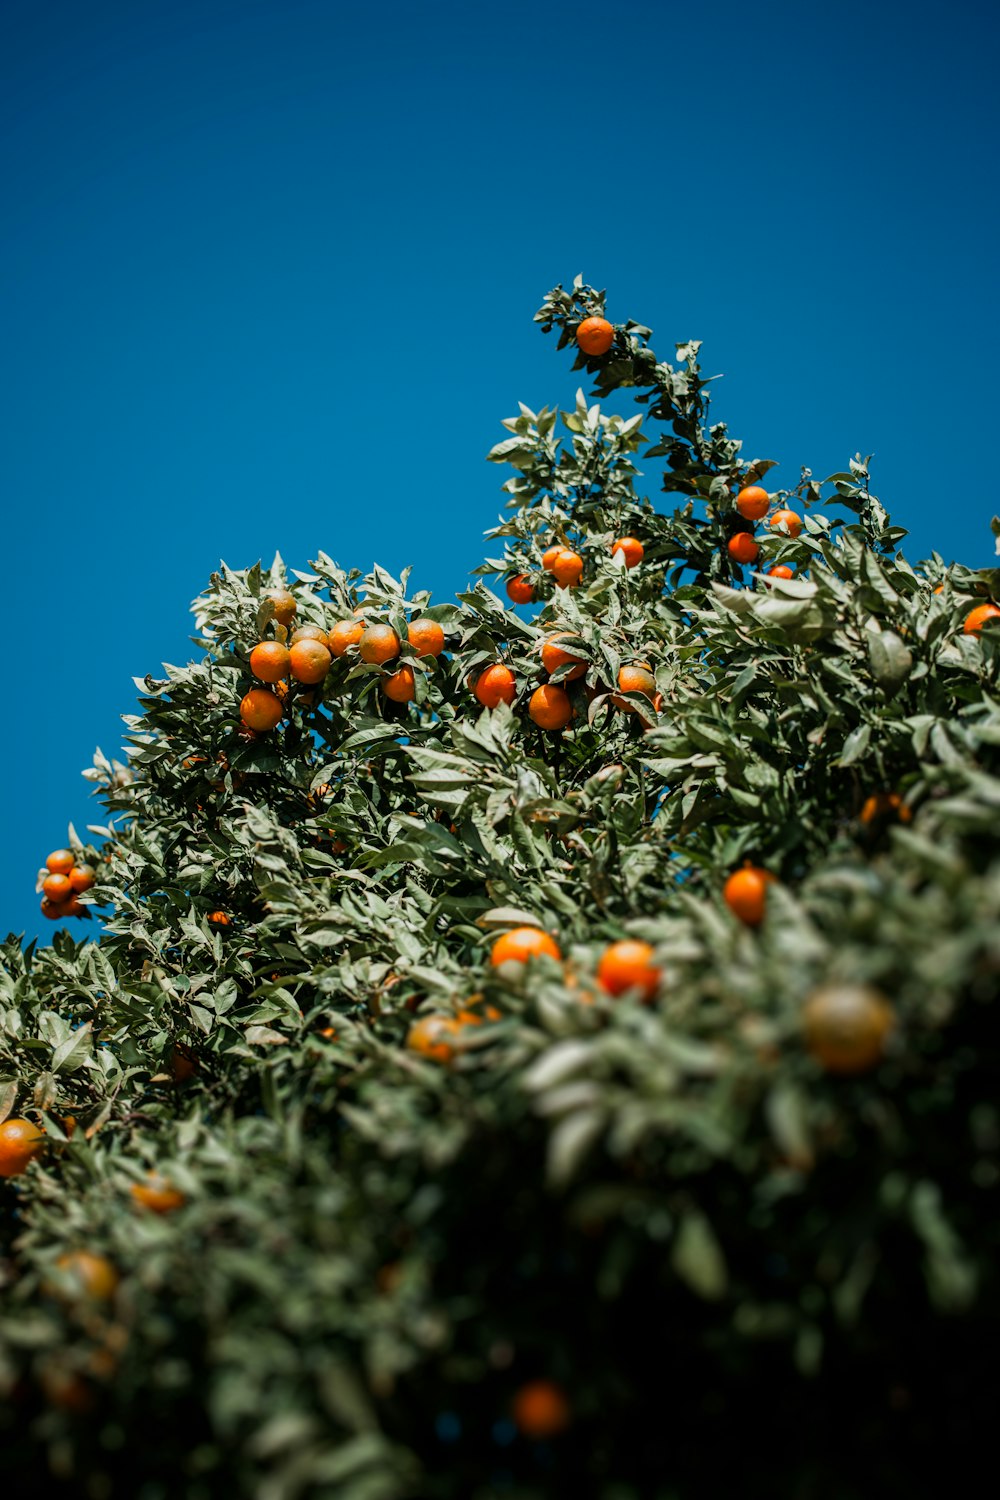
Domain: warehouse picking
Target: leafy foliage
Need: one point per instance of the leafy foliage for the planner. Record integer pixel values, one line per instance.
(678, 1212)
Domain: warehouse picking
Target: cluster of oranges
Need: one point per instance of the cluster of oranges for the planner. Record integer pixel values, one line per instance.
(550, 706)
(63, 884)
(845, 1026)
(566, 567)
(625, 966)
(21, 1141)
(753, 504)
(311, 651)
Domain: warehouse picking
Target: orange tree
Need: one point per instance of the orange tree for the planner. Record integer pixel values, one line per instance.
(517, 1065)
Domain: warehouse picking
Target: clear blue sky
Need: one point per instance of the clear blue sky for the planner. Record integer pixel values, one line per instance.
(268, 267)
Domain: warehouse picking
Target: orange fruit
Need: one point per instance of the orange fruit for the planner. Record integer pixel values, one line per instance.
(567, 568)
(550, 554)
(977, 618)
(780, 570)
(752, 502)
(60, 861)
(182, 1064)
(885, 805)
(57, 888)
(54, 911)
(495, 685)
(742, 548)
(745, 893)
(522, 943)
(434, 1037)
(636, 677)
(595, 336)
(939, 589)
(345, 633)
(786, 518)
(378, 644)
(284, 605)
(549, 706)
(628, 965)
(846, 1026)
(309, 661)
(81, 878)
(91, 1276)
(219, 918)
(540, 1410)
(631, 548)
(554, 656)
(426, 637)
(157, 1194)
(260, 710)
(400, 686)
(520, 589)
(309, 633)
(20, 1143)
(269, 661)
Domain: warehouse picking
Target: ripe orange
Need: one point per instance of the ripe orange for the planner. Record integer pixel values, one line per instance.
(309, 661)
(309, 633)
(20, 1143)
(745, 893)
(54, 911)
(182, 1063)
(554, 656)
(57, 888)
(550, 554)
(345, 633)
(434, 1037)
(157, 1194)
(91, 1276)
(495, 685)
(60, 861)
(635, 678)
(522, 943)
(786, 518)
(284, 605)
(269, 661)
(631, 548)
(81, 878)
(977, 618)
(400, 686)
(219, 918)
(541, 1410)
(628, 965)
(520, 589)
(846, 1026)
(752, 502)
(549, 706)
(742, 548)
(567, 568)
(260, 710)
(885, 805)
(378, 644)
(780, 570)
(595, 336)
(426, 637)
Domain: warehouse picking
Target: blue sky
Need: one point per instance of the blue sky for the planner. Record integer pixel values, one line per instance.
(268, 269)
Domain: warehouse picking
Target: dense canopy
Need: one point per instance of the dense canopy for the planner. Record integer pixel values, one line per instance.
(529, 1059)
